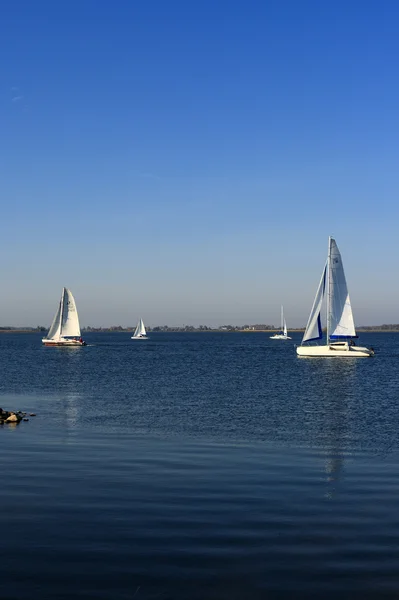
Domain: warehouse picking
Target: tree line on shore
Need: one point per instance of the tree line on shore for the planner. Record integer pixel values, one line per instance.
(192, 328)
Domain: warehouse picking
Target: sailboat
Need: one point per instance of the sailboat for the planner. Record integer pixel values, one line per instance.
(340, 324)
(140, 332)
(282, 334)
(65, 329)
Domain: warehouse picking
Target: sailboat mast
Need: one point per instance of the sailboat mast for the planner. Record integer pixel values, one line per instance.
(328, 289)
(62, 309)
(282, 318)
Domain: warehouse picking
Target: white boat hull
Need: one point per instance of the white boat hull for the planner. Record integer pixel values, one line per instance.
(63, 342)
(335, 350)
(280, 337)
(139, 337)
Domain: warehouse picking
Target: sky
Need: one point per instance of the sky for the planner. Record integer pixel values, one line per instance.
(186, 161)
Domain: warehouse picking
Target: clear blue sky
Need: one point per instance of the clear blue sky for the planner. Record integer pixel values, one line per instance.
(186, 161)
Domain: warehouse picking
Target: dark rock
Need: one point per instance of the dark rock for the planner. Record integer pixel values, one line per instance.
(32, 415)
(26, 419)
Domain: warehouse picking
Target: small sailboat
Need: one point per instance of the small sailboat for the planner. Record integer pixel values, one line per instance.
(340, 324)
(65, 328)
(140, 332)
(282, 334)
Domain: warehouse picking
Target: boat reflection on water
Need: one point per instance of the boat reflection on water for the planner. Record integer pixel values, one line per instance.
(70, 404)
(341, 377)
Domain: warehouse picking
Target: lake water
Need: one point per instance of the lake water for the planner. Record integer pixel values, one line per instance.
(198, 466)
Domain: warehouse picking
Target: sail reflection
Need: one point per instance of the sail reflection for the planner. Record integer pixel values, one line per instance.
(69, 414)
(340, 375)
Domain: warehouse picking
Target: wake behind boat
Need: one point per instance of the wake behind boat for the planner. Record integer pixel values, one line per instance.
(65, 328)
(140, 332)
(340, 324)
(282, 334)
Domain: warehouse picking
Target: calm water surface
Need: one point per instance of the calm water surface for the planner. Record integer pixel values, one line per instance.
(190, 466)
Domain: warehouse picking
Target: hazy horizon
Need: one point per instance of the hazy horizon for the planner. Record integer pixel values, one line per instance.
(186, 164)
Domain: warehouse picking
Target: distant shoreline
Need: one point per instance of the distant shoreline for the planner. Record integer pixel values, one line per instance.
(171, 330)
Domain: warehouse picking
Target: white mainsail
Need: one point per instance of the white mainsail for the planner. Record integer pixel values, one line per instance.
(283, 323)
(313, 329)
(340, 322)
(70, 320)
(140, 329)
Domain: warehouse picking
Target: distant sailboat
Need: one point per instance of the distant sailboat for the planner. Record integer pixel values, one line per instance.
(65, 329)
(140, 332)
(282, 334)
(340, 324)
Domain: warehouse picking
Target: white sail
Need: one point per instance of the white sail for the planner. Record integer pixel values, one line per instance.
(339, 318)
(140, 329)
(313, 329)
(54, 331)
(283, 323)
(70, 320)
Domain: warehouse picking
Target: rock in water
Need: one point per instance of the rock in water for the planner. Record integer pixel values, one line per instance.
(8, 416)
(13, 418)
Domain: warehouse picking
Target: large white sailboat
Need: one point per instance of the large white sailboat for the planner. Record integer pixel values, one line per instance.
(282, 334)
(340, 325)
(65, 329)
(140, 332)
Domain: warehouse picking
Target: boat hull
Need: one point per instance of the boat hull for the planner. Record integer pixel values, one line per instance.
(68, 343)
(345, 351)
(139, 337)
(280, 337)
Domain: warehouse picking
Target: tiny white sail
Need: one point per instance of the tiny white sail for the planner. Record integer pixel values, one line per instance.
(313, 329)
(340, 316)
(140, 331)
(70, 320)
(285, 328)
(143, 331)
